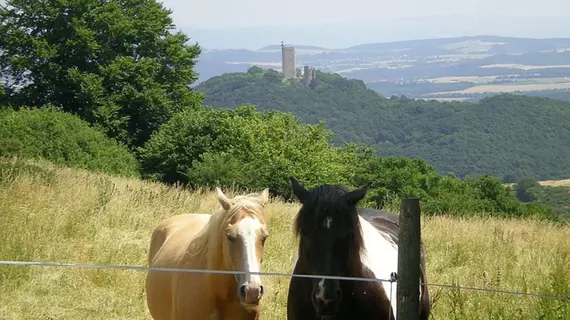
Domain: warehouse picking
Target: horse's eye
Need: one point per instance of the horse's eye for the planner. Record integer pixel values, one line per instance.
(263, 238)
(230, 237)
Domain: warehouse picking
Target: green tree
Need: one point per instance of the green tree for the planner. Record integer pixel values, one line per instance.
(508, 132)
(524, 187)
(114, 63)
(242, 148)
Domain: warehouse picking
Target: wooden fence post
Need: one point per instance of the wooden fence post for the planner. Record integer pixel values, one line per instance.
(408, 285)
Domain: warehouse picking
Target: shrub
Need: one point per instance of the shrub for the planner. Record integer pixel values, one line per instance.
(242, 148)
(62, 139)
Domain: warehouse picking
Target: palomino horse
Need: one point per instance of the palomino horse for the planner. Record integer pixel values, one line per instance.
(339, 239)
(230, 239)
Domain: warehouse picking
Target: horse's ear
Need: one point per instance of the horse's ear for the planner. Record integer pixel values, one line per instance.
(354, 196)
(298, 190)
(265, 196)
(224, 201)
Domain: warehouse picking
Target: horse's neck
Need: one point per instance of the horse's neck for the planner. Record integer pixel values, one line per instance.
(210, 242)
(235, 311)
(365, 300)
(220, 286)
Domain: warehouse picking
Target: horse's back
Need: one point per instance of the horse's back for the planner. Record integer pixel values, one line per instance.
(378, 222)
(380, 255)
(167, 248)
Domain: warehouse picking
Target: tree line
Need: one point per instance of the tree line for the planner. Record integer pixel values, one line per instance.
(502, 135)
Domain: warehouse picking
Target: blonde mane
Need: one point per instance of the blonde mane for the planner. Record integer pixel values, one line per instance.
(209, 239)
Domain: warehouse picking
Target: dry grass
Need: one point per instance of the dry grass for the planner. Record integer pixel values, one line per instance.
(51, 214)
(547, 183)
(556, 183)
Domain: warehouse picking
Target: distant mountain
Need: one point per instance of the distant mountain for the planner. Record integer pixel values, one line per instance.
(490, 44)
(276, 47)
(384, 28)
(505, 135)
(410, 60)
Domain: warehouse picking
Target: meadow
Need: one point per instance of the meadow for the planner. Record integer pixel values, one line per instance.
(50, 213)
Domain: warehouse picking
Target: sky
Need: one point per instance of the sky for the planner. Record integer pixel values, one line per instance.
(252, 24)
(247, 13)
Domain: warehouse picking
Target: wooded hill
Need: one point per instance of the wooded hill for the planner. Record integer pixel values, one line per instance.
(508, 136)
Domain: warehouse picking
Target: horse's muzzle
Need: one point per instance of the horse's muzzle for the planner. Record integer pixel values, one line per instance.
(250, 295)
(326, 306)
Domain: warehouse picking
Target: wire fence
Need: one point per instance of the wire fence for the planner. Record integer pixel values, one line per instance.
(274, 274)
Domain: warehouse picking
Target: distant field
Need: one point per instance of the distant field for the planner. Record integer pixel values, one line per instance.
(351, 70)
(475, 79)
(548, 183)
(508, 88)
(457, 57)
(486, 79)
(523, 67)
(445, 99)
(556, 183)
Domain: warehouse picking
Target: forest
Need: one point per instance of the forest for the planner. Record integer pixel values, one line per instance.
(506, 136)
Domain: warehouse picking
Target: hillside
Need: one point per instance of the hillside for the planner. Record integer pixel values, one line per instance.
(64, 215)
(506, 135)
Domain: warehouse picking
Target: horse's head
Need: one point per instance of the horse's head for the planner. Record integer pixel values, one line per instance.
(243, 237)
(330, 239)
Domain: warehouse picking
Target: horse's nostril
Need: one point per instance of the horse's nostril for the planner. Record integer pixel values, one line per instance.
(242, 291)
(261, 290)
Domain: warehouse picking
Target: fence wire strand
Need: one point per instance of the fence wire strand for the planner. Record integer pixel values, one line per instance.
(275, 274)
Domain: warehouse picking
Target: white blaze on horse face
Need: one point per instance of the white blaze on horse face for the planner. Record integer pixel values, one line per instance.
(321, 292)
(248, 229)
(328, 222)
(321, 285)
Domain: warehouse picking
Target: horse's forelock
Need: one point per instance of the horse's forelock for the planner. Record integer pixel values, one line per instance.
(247, 205)
(330, 197)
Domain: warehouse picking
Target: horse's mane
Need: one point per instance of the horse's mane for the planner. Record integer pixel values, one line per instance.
(210, 237)
(327, 200)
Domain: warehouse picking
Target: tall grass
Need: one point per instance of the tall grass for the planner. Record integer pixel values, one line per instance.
(50, 213)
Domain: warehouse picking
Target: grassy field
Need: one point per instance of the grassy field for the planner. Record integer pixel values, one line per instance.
(65, 215)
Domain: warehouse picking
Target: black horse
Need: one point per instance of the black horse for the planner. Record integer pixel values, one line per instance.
(336, 238)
